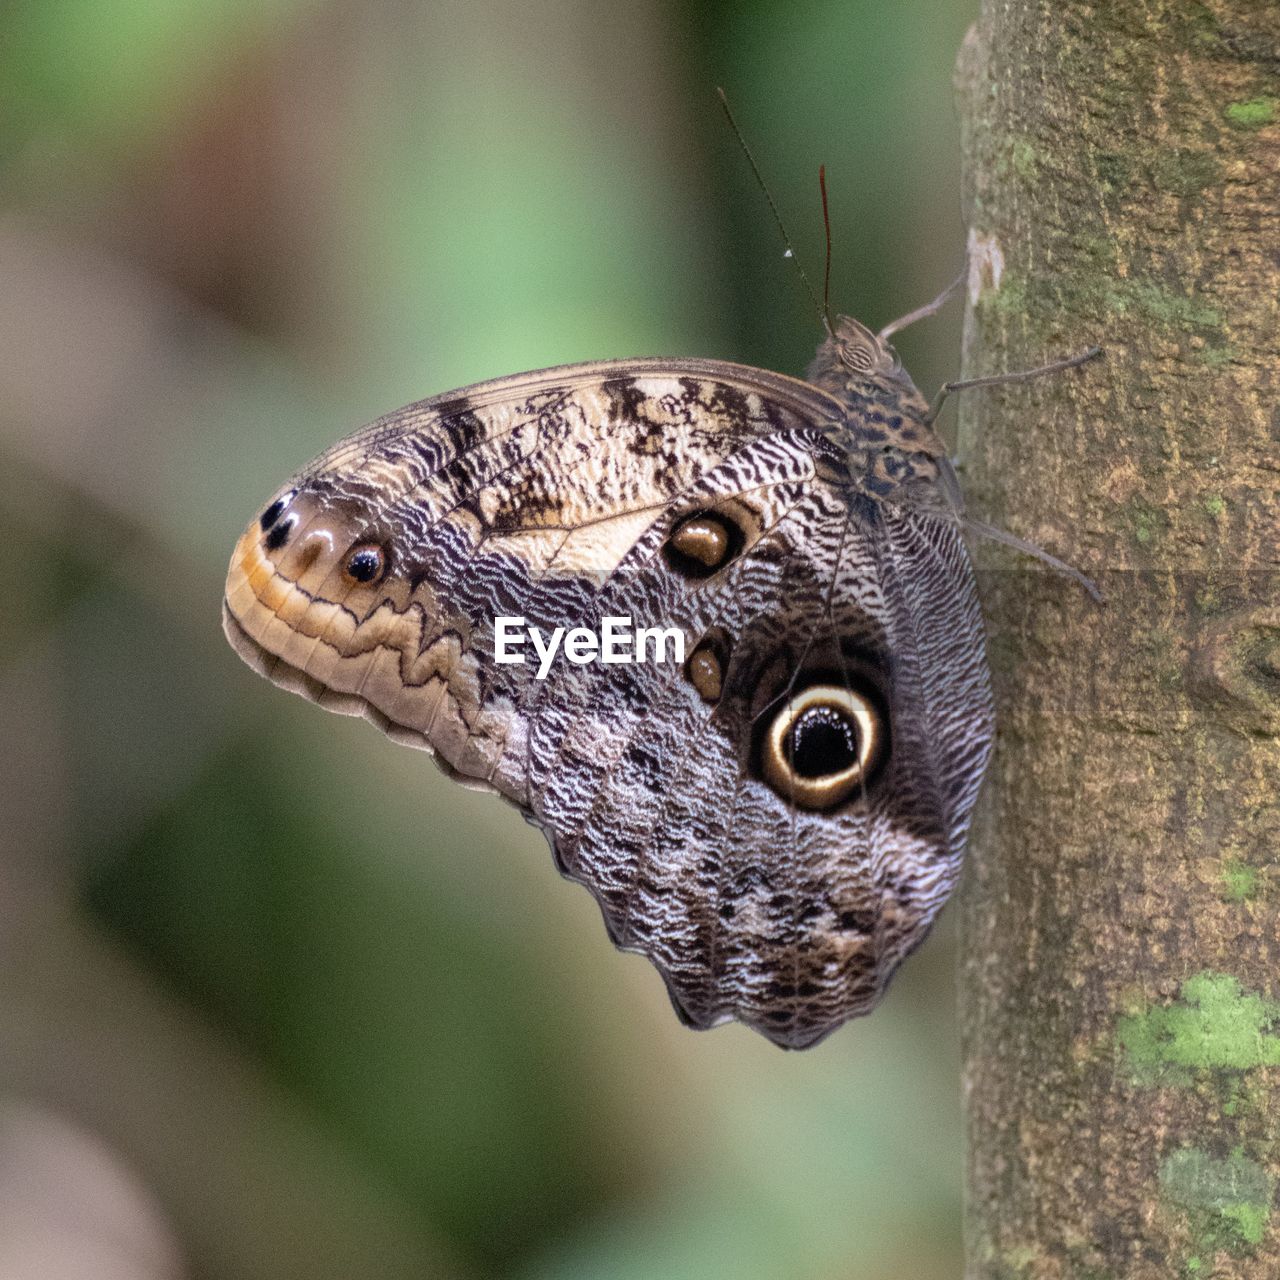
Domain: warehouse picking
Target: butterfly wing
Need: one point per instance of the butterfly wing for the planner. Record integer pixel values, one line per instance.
(775, 820)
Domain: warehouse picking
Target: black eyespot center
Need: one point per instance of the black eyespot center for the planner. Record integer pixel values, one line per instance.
(367, 563)
(821, 741)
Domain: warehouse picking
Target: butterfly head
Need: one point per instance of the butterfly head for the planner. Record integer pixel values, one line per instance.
(862, 352)
(854, 361)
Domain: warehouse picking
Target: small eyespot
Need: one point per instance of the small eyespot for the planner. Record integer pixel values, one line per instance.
(822, 745)
(276, 509)
(279, 533)
(702, 543)
(366, 563)
(705, 674)
(705, 667)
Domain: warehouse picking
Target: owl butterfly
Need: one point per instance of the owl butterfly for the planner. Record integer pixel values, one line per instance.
(776, 821)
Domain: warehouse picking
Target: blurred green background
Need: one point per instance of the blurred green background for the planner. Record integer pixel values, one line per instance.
(272, 991)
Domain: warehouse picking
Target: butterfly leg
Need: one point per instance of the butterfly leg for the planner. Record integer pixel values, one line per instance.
(986, 530)
(1002, 379)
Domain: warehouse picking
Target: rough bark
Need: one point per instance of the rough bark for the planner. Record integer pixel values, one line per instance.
(1121, 919)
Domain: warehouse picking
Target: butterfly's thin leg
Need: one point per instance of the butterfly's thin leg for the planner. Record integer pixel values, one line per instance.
(1029, 548)
(957, 516)
(1002, 379)
(923, 313)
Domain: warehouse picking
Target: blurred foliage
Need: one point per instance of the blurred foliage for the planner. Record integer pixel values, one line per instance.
(231, 232)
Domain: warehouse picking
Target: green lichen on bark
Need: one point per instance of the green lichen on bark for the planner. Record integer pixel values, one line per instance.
(1240, 882)
(1213, 1025)
(1121, 976)
(1253, 114)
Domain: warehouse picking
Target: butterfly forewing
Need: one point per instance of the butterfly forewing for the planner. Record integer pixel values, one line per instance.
(772, 869)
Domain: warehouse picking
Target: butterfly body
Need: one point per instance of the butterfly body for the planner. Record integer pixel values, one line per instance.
(775, 820)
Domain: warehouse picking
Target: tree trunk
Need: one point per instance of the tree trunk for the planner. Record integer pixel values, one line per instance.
(1121, 916)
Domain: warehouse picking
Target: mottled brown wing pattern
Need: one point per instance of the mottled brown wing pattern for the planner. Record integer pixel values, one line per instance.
(719, 500)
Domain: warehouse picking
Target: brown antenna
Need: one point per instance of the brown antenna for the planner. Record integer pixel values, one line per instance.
(826, 275)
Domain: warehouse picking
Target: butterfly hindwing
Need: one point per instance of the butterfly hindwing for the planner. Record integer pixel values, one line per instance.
(690, 497)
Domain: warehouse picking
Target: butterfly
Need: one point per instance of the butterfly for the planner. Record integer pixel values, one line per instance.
(774, 821)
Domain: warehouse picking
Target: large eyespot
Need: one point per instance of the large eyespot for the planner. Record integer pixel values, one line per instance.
(367, 563)
(702, 543)
(823, 744)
